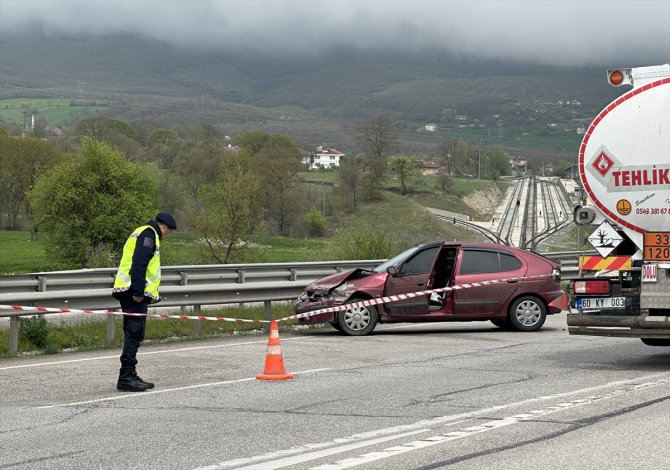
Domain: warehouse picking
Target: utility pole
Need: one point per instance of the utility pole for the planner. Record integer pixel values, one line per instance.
(479, 160)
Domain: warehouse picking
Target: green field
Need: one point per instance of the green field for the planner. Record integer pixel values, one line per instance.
(19, 255)
(57, 111)
(567, 143)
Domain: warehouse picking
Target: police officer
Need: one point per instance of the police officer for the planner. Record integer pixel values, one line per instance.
(136, 286)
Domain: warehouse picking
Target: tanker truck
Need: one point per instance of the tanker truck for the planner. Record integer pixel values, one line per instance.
(624, 169)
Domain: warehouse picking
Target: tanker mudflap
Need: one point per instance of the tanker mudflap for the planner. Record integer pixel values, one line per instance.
(561, 302)
(609, 321)
(579, 319)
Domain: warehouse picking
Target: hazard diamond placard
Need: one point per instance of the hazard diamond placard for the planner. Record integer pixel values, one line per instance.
(605, 239)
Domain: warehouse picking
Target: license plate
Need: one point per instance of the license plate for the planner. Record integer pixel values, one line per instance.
(601, 303)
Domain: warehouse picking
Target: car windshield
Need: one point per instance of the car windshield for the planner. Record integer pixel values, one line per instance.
(395, 260)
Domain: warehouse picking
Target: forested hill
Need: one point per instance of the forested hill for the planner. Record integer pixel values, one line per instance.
(316, 99)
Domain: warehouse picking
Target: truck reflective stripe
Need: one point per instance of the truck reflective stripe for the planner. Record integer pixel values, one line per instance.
(611, 263)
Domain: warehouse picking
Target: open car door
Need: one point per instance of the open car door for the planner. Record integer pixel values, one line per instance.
(412, 275)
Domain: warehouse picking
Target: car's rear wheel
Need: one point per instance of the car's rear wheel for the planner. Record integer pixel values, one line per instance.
(527, 313)
(357, 320)
(656, 341)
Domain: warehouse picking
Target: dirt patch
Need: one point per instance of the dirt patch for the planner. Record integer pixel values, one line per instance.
(484, 201)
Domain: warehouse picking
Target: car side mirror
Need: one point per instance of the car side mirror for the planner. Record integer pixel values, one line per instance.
(392, 270)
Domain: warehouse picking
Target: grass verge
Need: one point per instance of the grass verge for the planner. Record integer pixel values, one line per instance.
(88, 333)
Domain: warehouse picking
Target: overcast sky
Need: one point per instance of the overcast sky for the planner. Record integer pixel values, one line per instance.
(568, 32)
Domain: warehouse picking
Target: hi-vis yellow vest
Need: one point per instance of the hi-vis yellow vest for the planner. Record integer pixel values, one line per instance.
(153, 276)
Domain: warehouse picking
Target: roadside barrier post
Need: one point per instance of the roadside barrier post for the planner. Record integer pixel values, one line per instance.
(267, 314)
(41, 284)
(111, 330)
(197, 324)
(13, 335)
(183, 281)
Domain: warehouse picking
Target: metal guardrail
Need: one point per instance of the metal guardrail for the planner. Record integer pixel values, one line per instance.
(449, 214)
(182, 286)
(181, 276)
(193, 285)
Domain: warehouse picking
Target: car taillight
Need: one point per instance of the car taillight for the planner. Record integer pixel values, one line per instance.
(592, 287)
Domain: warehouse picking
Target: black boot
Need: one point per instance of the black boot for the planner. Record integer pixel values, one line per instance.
(128, 381)
(141, 380)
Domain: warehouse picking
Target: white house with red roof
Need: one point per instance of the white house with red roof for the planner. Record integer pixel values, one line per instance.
(324, 157)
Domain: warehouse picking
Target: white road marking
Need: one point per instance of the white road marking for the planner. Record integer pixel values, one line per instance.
(278, 459)
(307, 457)
(146, 353)
(442, 438)
(167, 390)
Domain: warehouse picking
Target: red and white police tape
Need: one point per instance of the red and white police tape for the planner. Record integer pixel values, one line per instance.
(38, 310)
(338, 308)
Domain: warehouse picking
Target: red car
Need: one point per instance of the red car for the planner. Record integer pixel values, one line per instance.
(529, 289)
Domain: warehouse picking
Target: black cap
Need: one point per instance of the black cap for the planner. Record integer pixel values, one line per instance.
(167, 219)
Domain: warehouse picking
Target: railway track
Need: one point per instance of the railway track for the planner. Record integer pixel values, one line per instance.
(535, 208)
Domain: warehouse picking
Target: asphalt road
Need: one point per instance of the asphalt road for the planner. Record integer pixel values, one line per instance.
(446, 395)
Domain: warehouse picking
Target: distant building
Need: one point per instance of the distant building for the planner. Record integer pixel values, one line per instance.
(518, 166)
(429, 168)
(324, 157)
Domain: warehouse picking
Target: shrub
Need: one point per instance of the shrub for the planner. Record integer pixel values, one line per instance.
(34, 330)
(316, 222)
(89, 204)
(350, 246)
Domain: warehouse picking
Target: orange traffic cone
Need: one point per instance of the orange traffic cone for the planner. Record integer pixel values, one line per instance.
(274, 362)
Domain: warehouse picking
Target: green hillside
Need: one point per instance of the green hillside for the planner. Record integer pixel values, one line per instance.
(58, 112)
(312, 101)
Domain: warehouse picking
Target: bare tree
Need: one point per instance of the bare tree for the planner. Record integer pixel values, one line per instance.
(230, 207)
(278, 161)
(349, 179)
(445, 153)
(378, 141)
(22, 161)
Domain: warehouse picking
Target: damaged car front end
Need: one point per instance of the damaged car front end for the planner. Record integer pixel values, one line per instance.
(338, 289)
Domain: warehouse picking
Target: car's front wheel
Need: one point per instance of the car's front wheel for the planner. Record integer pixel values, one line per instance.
(357, 321)
(527, 313)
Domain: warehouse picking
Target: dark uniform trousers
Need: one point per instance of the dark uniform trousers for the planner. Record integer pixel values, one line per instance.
(133, 329)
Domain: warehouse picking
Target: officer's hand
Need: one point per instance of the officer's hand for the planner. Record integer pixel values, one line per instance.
(138, 298)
